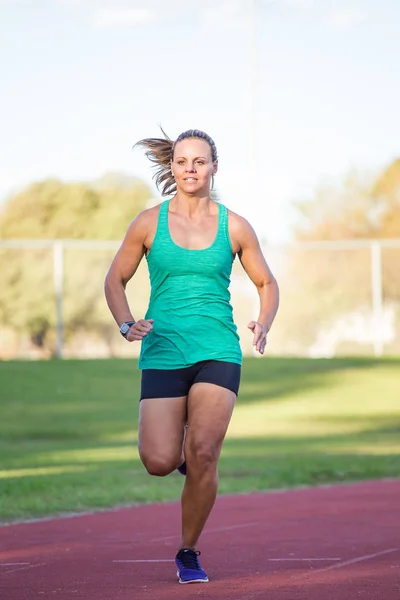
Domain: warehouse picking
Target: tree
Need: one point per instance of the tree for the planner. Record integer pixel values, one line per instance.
(323, 283)
(56, 210)
(360, 208)
(52, 209)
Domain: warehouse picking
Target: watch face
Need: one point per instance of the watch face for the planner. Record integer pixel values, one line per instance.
(124, 328)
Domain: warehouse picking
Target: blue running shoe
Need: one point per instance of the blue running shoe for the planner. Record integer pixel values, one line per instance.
(189, 569)
(182, 468)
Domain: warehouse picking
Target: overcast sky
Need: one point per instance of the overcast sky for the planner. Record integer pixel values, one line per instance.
(307, 93)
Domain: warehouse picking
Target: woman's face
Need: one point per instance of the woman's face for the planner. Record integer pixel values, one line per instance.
(192, 166)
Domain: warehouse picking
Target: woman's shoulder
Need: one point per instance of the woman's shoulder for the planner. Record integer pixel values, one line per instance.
(144, 225)
(145, 221)
(241, 232)
(148, 216)
(237, 222)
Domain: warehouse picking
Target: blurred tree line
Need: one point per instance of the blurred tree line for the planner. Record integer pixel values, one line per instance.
(51, 209)
(326, 283)
(317, 285)
(357, 209)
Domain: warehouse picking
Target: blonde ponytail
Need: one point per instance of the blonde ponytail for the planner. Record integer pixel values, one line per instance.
(159, 151)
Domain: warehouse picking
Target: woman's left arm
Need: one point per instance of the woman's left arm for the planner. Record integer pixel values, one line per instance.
(250, 255)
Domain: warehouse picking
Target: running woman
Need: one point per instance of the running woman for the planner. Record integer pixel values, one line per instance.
(190, 354)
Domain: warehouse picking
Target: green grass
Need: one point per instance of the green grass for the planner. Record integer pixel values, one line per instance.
(69, 429)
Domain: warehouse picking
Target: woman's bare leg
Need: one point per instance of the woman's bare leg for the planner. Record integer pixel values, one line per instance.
(209, 412)
(161, 433)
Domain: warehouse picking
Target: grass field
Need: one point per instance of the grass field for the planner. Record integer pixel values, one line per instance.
(69, 430)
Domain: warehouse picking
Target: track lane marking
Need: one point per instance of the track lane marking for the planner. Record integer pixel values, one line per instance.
(301, 577)
(13, 564)
(169, 560)
(302, 559)
(25, 568)
(357, 559)
(140, 560)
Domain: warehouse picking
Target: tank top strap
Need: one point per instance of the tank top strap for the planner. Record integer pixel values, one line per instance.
(161, 236)
(163, 216)
(223, 232)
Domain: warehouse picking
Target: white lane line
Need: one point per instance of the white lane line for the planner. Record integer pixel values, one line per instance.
(169, 560)
(161, 560)
(302, 559)
(310, 574)
(13, 564)
(358, 559)
(25, 568)
(207, 531)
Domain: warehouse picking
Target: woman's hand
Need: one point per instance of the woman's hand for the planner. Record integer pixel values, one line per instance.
(139, 330)
(260, 335)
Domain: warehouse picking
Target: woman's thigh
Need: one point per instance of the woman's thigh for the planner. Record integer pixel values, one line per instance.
(210, 409)
(161, 430)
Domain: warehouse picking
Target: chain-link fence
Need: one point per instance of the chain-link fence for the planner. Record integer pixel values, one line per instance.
(337, 298)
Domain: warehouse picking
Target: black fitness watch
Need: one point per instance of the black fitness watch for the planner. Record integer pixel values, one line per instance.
(125, 327)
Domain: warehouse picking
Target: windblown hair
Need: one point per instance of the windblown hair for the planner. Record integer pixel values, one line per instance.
(160, 151)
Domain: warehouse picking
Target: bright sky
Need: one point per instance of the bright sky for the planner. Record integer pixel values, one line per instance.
(82, 80)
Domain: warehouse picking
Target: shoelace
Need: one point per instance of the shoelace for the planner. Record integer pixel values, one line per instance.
(188, 558)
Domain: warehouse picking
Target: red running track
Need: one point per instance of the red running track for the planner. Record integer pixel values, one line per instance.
(330, 543)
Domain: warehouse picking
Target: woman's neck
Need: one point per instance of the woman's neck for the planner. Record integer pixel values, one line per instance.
(191, 205)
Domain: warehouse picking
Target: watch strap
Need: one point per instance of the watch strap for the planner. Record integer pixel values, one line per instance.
(129, 323)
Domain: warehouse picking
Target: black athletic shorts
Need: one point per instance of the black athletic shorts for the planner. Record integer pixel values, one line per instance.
(173, 383)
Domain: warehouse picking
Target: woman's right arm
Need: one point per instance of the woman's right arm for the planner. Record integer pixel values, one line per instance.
(122, 269)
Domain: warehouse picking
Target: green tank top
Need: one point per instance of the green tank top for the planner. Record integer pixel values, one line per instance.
(189, 301)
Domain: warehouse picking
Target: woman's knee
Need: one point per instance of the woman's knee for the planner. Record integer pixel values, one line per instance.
(203, 455)
(159, 466)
